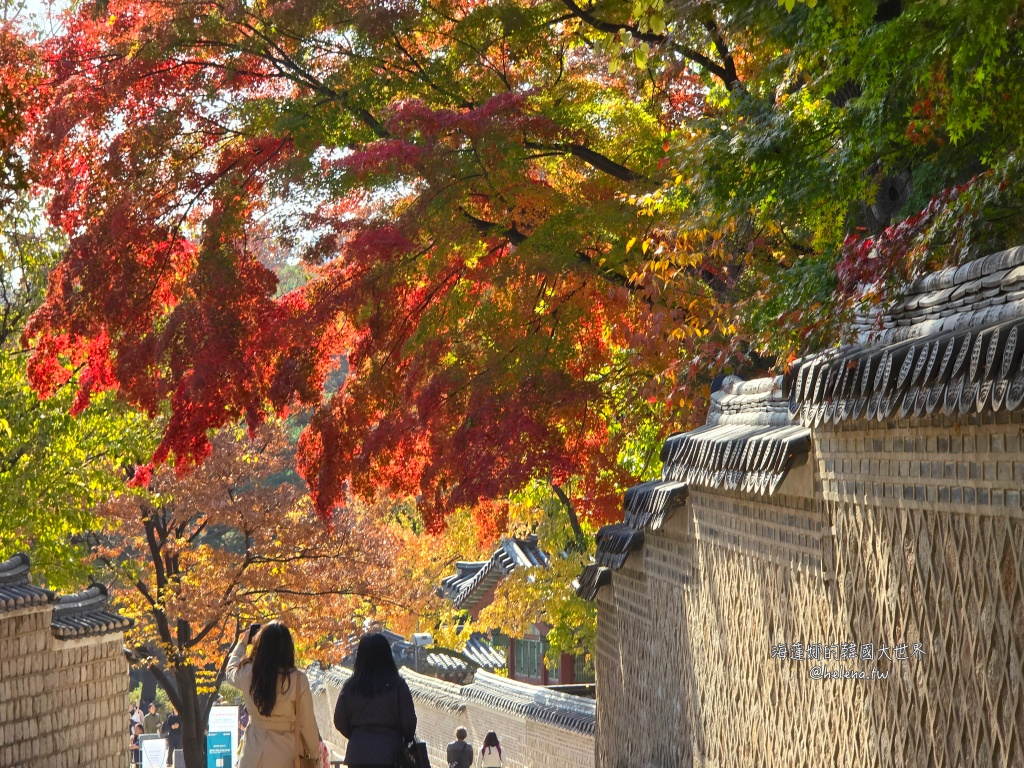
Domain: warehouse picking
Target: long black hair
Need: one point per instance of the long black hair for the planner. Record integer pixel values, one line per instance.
(375, 671)
(272, 655)
(491, 740)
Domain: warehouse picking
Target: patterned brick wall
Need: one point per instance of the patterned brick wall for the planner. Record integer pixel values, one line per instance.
(537, 728)
(904, 532)
(63, 703)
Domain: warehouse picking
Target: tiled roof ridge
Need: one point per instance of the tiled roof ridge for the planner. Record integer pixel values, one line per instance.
(15, 568)
(758, 402)
(16, 588)
(79, 614)
(562, 710)
(965, 293)
(576, 714)
(86, 613)
(749, 443)
(952, 344)
(647, 505)
(83, 601)
(437, 693)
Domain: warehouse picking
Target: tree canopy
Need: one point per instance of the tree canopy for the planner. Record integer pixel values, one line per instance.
(534, 229)
(195, 559)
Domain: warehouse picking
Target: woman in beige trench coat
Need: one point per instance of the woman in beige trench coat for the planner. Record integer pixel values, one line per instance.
(281, 721)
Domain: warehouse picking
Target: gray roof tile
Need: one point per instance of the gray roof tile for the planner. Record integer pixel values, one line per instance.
(85, 613)
(81, 614)
(950, 346)
(480, 651)
(472, 580)
(749, 443)
(16, 589)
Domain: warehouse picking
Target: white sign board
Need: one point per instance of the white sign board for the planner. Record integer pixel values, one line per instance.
(154, 753)
(224, 719)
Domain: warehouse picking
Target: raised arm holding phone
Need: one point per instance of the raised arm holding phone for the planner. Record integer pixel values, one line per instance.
(282, 727)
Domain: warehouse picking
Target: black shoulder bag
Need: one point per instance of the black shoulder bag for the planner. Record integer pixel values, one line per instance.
(414, 754)
(458, 763)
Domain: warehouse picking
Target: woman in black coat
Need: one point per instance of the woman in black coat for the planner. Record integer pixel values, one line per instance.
(375, 710)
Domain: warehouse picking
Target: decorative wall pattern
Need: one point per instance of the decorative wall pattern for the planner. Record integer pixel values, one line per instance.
(689, 653)
(866, 610)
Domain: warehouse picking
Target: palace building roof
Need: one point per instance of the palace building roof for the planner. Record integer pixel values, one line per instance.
(473, 581)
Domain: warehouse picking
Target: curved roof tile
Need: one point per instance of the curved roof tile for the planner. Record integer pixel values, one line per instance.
(952, 344)
(477, 578)
(16, 589)
(750, 443)
(85, 613)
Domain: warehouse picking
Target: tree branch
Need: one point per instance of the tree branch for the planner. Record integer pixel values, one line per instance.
(729, 75)
(574, 521)
(165, 683)
(591, 158)
(726, 73)
(515, 237)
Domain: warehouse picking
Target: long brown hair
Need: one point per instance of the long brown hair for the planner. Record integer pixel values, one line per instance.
(491, 740)
(272, 655)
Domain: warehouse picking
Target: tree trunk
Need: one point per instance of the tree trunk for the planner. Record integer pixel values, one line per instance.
(193, 727)
(148, 685)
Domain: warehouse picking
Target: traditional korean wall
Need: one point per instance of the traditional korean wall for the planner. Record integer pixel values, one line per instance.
(63, 703)
(538, 728)
(893, 533)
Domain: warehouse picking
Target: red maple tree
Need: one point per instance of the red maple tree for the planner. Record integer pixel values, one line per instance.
(466, 241)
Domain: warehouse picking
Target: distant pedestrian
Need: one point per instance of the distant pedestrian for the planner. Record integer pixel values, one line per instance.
(375, 710)
(137, 746)
(282, 726)
(460, 751)
(171, 730)
(151, 722)
(490, 754)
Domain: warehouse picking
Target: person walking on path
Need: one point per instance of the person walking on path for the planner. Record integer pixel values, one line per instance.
(490, 753)
(460, 751)
(281, 726)
(151, 722)
(171, 730)
(375, 710)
